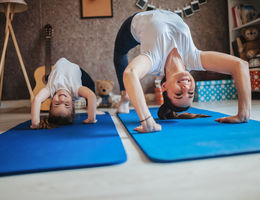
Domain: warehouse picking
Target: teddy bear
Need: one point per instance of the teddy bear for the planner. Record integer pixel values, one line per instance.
(104, 88)
(251, 47)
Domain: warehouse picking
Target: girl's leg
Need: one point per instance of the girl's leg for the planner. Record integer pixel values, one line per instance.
(87, 80)
(123, 43)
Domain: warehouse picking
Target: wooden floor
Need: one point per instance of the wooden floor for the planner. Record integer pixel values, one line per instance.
(229, 178)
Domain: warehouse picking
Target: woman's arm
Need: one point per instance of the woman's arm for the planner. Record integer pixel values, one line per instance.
(135, 71)
(92, 103)
(224, 63)
(36, 106)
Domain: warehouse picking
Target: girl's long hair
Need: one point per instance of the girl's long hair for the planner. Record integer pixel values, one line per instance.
(53, 121)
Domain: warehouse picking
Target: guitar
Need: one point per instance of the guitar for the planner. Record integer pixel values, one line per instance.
(41, 73)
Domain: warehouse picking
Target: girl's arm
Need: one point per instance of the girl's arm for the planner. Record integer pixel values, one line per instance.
(92, 103)
(224, 63)
(135, 71)
(36, 106)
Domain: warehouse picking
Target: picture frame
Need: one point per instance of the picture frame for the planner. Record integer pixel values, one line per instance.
(195, 5)
(141, 3)
(150, 7)
(188, 11)
(96, 9)
(202, 2)
(178, 12)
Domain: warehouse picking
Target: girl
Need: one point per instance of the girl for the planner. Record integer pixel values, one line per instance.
(167, 49)
(64, 84)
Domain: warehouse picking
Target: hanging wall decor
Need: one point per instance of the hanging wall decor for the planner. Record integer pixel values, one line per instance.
(187, 10)
(141, 3)
(96, 8)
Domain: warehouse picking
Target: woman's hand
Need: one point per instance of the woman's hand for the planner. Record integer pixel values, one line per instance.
(90, 121)
(232, 119)
(149, 126)
(239, 69)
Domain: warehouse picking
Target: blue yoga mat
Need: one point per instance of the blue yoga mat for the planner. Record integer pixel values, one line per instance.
(190, 139)
(23, 150)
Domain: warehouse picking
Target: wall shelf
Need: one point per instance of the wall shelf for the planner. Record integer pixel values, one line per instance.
(235, 31)
(254, 22)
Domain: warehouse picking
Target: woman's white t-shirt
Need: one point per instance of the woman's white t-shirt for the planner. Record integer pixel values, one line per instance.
(65, 75)
(158, 32)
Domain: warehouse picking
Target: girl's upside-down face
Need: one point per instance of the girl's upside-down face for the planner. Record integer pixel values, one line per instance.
(62, 103)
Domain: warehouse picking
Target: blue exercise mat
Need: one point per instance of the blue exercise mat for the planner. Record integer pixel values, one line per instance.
(23, 150)
(190, 139)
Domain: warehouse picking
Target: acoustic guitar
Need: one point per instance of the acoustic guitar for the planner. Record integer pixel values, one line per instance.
(41, 73)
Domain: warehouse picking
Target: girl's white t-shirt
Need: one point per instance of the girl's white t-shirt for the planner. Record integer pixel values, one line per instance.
(158, 32)
(65, 75)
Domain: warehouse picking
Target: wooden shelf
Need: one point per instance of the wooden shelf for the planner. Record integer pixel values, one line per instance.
(235, 31)
(254, 22)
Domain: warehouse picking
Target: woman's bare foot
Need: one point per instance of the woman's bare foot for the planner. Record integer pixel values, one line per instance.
(124, 103)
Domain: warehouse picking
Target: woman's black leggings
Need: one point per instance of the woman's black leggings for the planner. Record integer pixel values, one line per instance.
(123, 43)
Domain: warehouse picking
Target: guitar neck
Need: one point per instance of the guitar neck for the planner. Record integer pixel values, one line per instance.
(47, 56)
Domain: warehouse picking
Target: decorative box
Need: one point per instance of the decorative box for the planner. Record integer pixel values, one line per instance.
(255, 79)
(254, 62)
(215, 90)
(80, 103)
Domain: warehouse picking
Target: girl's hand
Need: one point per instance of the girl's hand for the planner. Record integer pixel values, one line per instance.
(89, 121)
(149, 126)
(232, 119)
(100, 112)
(35, 126)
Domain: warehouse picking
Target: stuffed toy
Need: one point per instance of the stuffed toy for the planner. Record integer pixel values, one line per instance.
(104, 98)
(251, 46)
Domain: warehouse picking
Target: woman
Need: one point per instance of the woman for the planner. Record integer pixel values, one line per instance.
(167, 49)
